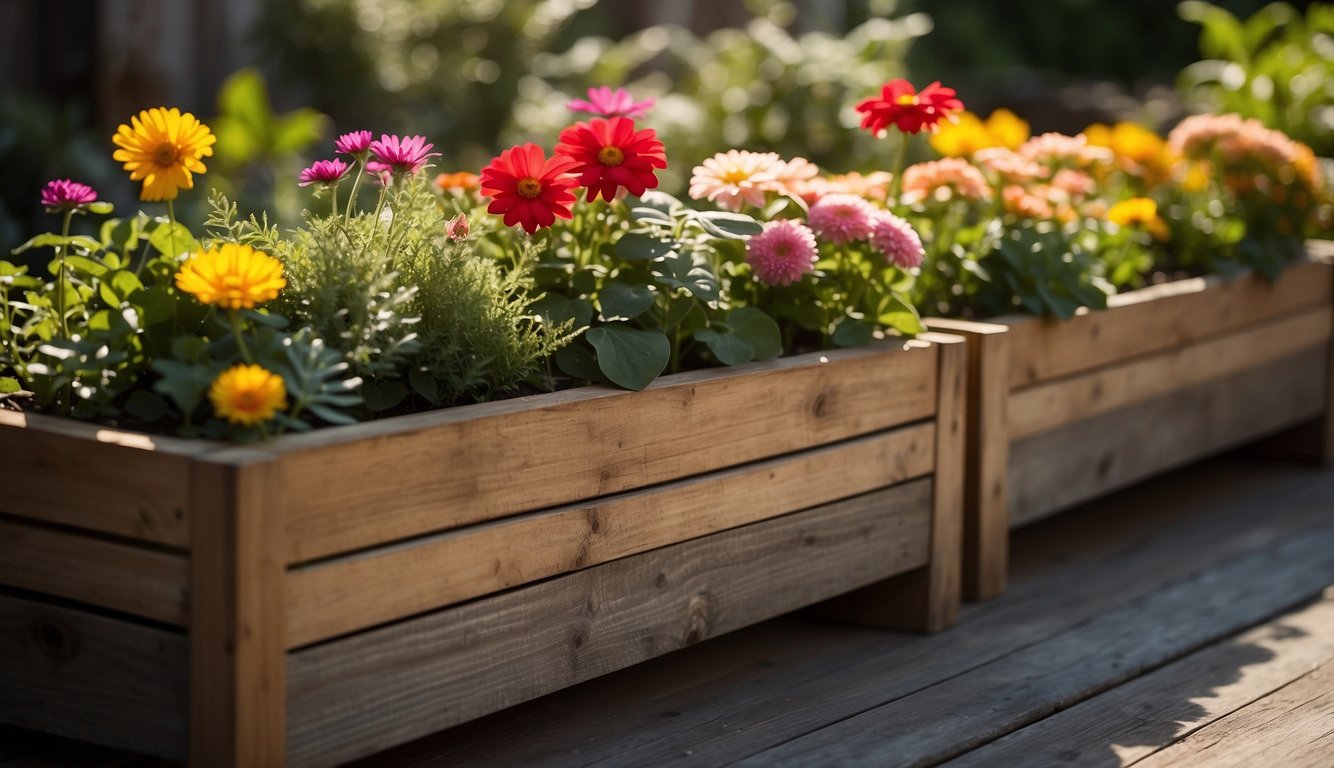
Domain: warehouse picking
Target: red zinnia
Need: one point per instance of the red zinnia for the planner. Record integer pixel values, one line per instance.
(900, 105)
(611, 154)
(528, 188)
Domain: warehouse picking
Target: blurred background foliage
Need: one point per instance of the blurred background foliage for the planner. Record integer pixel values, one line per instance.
(783, 75)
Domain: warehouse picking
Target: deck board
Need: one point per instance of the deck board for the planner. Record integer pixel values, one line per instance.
(1182, 613)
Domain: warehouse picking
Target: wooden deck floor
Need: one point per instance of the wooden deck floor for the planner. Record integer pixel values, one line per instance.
(1188, 621)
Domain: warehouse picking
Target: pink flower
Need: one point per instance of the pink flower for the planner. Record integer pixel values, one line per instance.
(841, 219)
(608, 103)
(67, 195)
(782, 253)
(943, 180)
(1076, 184)
(326, 172)
(897, 240)
(457, 228)
(737, 177)
(405, 155)
(381, 172)
(354, 143)
(1056, 149)
(1009, 165)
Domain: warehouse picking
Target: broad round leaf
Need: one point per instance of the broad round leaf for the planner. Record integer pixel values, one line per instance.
(623, 301)
(637, 246)
(759, 330)
(629, 357)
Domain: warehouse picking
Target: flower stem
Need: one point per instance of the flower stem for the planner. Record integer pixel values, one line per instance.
(235, 316)
(333, 198)
(900, 160)
(171, 233)
(60, 274)
(356, 184)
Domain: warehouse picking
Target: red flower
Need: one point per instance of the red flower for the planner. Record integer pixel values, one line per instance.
(901, 106)
(611, 154)
(528, 188)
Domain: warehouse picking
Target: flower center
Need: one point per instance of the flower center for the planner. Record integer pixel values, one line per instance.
(246, 400)
(529, 188)
(735, 176)
(165, 154)
(611, 155)
(906, 100)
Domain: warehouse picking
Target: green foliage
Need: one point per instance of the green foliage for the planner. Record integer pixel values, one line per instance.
(416, 314)
(1275, 65)
(1043, 269)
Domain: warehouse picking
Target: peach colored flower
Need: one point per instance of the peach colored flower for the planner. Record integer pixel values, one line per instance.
(943, 180)
(736, 178)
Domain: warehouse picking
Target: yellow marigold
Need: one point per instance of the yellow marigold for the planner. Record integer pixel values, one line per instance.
(1138, 212)
(969, 133)
(163, 147)
(232, 276)
(248, 394)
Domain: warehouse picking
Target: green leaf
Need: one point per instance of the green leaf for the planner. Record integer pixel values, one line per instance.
(52, 240)
(117, 287)
(900, 315)
(9, 385)
(579, 360)
(244, 98)
(661, 202)
(759, 330)
(728, 225)
(172, 239)
(424, 384)
(267, 319)
(101, 207)
(555, 310)
(637, 246)
(729, 348)
(82, 265)
(121, 234)
(156, 304)
(622, 301)
(681, 272)
(382, 394)
(629, 357)
(851, 332)
(297, 130)
(145, 405)
(190, 349)
(184, 383)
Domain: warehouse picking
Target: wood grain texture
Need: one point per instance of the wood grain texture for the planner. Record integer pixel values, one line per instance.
(67, 472)
(237, 659)
(1056, 403)
(994, 699)
(109, 574)
(1290, 727)
(1053, 470)
(354, 696)
(1151, 712)
(986, 521)
(476, 463)
(1159, 318)
(93, 678)
(339, 596)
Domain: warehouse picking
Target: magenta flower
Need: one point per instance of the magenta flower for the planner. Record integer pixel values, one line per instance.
(608, 103)
(67, 195)
(383, 173)
(403, 154)
(354, 143)
(324, 172)
(782, 253)
(897, 240)
(841, 219)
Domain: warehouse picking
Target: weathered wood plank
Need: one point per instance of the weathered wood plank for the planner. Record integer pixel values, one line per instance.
(1158, 318)
(736, 695)
(1056, 403)
(986, 522)
(237, 659)
(1053, 470)
(1000, 697)
(1291, 727)
(77, 474)
(110, 574)
(1153, 711)
(571, 446)
(353, 696)
(91, 677)
(363, 590)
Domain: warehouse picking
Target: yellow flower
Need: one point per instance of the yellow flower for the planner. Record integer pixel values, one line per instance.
(968, 133)
(232, 276)
(1140, 151)
(163, 148)
(248, 394)
(1139, 212)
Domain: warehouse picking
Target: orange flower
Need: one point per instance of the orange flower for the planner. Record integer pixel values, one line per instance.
(461, 181)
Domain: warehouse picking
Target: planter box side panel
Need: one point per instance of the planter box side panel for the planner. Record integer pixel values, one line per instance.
(491, 461)
(1059, 468)
(351, 593)
(367, 692)
(93, 678)
(1160, 318)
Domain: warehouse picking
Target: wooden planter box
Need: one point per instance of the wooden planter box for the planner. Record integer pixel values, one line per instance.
(1063, 411)
(323, 596)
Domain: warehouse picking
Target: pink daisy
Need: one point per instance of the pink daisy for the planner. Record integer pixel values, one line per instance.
(354, 143)
(66, 194)
(405, 155)
(737, 177)
(326, 172)
(608, 103)
(943, 180)
(782, 253)
(897, 240)
(841, 219)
